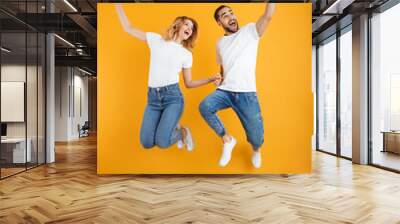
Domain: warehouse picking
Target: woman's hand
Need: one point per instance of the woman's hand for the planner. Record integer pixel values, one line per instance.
(189, 83)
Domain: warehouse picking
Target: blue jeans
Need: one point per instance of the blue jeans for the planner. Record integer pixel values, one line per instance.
(161, 116)
(245, 105)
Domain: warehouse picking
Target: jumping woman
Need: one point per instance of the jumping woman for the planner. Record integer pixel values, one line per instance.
(170, 55)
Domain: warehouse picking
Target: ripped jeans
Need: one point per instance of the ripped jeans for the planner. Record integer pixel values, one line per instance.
(245, 105)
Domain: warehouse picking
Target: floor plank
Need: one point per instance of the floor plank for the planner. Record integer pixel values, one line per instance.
(70, 191)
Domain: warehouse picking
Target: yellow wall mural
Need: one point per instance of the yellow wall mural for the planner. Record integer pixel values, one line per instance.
(284, 92)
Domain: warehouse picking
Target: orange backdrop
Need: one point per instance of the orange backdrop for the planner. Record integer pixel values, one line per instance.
(283, 82)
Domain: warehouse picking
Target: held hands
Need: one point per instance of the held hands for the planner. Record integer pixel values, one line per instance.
(217, 79)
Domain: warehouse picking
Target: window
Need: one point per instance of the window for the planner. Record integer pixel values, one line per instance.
(385, 89)
(22, 65)
(346, 93)
(327, 96)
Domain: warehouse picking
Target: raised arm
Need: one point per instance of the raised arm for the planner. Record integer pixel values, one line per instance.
(264, 20)
(189, 83)
(127, 26)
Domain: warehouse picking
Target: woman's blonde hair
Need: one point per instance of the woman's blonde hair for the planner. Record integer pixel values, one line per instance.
(173, 30)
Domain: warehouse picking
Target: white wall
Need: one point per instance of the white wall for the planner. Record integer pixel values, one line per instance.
(16, 73)
(71, 87)
(33, 127)
(62, 78)
(80, 83)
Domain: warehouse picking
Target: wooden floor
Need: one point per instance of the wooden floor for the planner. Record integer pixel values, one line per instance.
(5, 172)
(387, 159)
(69, 191)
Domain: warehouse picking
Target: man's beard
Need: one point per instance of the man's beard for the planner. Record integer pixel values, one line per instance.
(229, 30)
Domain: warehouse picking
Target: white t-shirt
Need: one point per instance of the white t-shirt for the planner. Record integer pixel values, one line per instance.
(237, 53)
(167, 59)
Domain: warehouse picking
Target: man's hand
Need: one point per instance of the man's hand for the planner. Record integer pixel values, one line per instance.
(270, 10)
(218, 79)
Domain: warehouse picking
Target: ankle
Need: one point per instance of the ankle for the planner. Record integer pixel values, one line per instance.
(183, 132)
(226, 138)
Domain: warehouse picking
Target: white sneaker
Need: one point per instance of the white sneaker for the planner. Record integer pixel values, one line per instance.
(189, 139)
(227, 151)
(256, 159)
(180, 144)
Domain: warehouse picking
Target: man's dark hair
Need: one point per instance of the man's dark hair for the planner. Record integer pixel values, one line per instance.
(216, 16)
